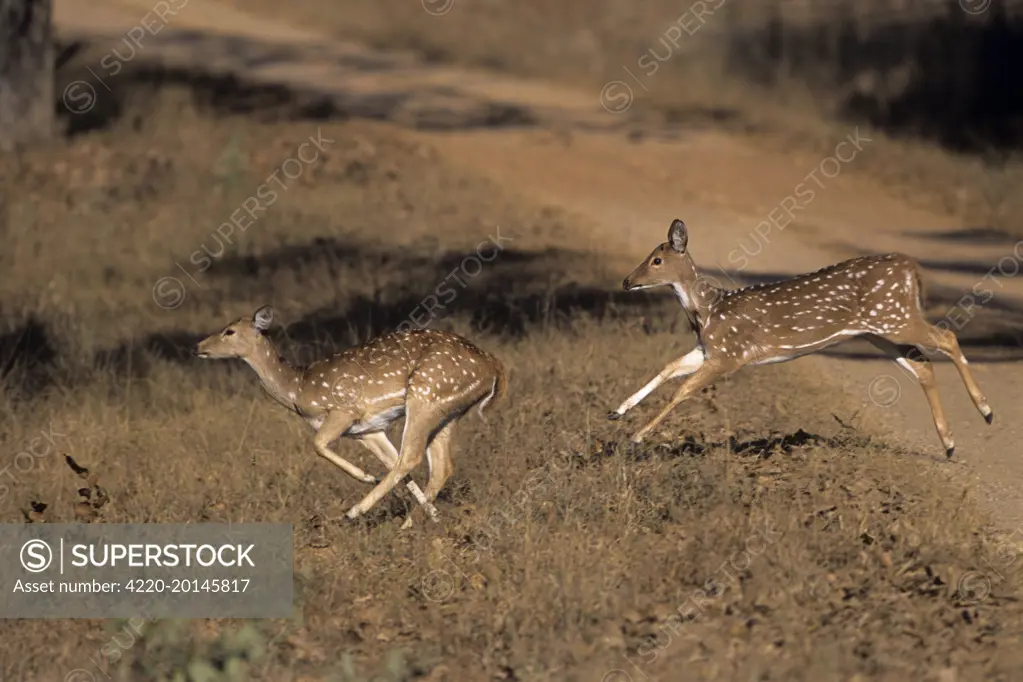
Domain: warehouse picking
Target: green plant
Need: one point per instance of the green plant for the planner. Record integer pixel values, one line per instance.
(168, 654)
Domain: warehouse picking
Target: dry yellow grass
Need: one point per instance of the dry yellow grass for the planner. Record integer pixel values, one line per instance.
(564, 555)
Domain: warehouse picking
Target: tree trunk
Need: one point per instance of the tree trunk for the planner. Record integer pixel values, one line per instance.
(26, 72)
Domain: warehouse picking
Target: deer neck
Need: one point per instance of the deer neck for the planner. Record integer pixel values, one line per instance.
(279, 377)
(696, 295)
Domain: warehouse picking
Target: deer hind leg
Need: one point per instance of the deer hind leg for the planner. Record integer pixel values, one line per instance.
(702, 377)
(335, 424)
(946, 342)
(380, 445)
(385, 453)
(912, 359)
(438, 455)
(685, 365)
(419, 423)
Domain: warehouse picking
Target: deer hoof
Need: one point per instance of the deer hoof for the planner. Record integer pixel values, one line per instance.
(613, 416)
(353, 513)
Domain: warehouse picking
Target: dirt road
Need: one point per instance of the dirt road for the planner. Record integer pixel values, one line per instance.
(753, 214)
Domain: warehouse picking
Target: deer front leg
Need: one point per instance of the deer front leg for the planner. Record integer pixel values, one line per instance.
(332, 428)
(687, 364)
(701, 378)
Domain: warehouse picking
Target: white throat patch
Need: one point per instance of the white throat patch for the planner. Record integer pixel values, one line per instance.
(683, 296)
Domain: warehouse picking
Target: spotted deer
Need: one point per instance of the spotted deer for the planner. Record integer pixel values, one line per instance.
(431, 378)
(878, 298)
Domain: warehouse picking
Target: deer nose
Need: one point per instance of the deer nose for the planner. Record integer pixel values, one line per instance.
(626, 284)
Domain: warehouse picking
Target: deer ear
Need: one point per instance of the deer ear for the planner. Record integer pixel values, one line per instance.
(263, 318)
(678, 235)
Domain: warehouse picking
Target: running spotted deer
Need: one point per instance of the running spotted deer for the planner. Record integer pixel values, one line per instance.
(431, 378)
(878, 298)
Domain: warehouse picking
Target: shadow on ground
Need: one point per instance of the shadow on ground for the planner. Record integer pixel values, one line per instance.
(761, 448)
(27, 356)
(511, 296)
(953, 91)
(980, 235)
(98, 76)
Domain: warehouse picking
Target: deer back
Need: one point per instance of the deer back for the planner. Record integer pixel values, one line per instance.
(768, 322)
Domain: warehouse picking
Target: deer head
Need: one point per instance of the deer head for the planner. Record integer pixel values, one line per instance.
(668, 264)
(671, 265)
(240, 339)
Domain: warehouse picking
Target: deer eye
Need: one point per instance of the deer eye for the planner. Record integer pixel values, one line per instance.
(657, 261)
(228, 332)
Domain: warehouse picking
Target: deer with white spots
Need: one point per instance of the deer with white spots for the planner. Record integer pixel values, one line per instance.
(431, 378)
(878, 298)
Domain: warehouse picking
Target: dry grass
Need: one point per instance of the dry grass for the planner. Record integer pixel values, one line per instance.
(563, 553)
